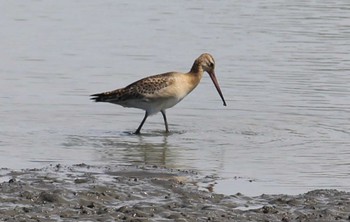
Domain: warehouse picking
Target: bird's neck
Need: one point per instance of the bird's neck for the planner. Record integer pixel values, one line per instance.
(196, 68)
(195, 74)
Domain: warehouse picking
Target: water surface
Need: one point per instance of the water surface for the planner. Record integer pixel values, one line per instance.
(283, 68)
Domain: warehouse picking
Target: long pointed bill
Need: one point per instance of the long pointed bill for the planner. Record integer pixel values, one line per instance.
(215, 81)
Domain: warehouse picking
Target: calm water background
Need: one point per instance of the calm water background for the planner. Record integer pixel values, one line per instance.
(283, 66)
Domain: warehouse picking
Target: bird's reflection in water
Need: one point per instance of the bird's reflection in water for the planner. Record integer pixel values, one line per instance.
(151, 148)
(154, 153)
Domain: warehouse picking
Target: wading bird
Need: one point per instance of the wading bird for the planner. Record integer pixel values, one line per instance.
(159, 92)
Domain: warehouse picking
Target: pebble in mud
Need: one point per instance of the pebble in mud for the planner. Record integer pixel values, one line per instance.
(144, 193)
(50, 197)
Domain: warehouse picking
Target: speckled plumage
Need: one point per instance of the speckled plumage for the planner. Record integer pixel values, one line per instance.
(159, 92)
(137, 90)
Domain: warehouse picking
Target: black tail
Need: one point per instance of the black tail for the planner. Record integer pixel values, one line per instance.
(110, 96)
(98, 97)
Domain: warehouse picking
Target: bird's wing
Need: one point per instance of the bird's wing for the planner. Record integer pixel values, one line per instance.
(152, 86)
(146, 88)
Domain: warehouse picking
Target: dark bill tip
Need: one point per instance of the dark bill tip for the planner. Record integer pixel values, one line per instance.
(216, 83)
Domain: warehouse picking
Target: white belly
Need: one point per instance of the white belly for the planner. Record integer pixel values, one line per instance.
(152, 106)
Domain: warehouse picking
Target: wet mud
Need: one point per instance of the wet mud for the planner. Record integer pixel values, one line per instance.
(148, 193)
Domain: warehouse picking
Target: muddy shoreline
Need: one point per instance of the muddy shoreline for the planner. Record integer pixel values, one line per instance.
(148, 193)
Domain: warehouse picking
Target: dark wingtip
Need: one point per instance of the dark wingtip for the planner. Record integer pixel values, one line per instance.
(96, 94)
(96, 97)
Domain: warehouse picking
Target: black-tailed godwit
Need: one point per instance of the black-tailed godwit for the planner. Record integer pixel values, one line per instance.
(159, 92)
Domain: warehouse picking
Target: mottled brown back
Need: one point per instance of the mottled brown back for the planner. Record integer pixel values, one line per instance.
(136, 90)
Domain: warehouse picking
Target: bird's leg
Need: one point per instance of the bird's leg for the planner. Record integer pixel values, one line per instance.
(143, 121)
(165, 121)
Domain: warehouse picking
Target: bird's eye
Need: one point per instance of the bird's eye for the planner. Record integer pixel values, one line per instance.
(211, 65)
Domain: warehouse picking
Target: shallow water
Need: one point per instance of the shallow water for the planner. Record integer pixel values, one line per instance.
(283, 69)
